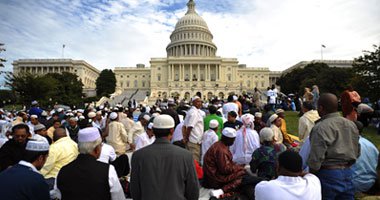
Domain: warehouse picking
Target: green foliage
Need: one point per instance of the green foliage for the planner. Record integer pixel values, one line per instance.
(367, 67)
(105, 83)
(62, 88)
(328, 79)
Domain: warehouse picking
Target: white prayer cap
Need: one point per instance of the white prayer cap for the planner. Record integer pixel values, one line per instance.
(278, 111)
(99, 112)
(272, 118)
(39, 145)
(34, 116)
(59, 110)
(195, 98)
(155, 114)
(91, 115)
(101, 107)
(214, 123)
(247, 119)
(44, 114)
(150, 125)
(171, 101)
(73, 118)
(80, 110)
(52, 112)
(70, 114)
(146, 117)
(266, 135)
(258, 114)
(106, 109)
(89, 134)
(39, 127)
(229, 132)
(163, 122)
(34, 102)
(81, 117)
(158, 110)
(235, 98)
(113, 115)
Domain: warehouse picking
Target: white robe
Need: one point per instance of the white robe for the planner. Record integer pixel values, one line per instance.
(143, 140)
(208, 139)
(244, 146)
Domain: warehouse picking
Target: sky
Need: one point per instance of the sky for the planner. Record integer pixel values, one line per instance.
(121, 33)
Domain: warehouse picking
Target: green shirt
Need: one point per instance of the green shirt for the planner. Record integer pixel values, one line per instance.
(217, 118)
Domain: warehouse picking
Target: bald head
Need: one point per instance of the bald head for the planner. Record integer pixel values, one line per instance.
(327, 103)
(59, 133)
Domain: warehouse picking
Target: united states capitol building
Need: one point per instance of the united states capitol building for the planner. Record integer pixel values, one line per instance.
(191, 67)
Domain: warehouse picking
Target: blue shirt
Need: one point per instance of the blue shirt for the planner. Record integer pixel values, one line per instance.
(365, 174)
(304, 153)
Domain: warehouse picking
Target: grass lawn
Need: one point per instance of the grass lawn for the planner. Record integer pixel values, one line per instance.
(292, 125)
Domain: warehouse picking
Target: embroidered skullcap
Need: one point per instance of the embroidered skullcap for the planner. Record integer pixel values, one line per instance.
(214, 123)
(37, 145)
(39, 127)
(89, 134)
(113, 115)
(229, 132)
(266, 135)
(278, 111)
(272, 118)
(259, 114)
(163, 122)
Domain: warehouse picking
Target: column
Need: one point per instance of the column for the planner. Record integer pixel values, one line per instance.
(183, 72)
(206, 72)
(199, 74)
(173, 73)
(191, 72)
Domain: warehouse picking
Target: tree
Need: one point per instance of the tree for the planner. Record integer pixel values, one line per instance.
(69, 89)
(367, 67)
(105, 83)
(29, 87)
(328, 79)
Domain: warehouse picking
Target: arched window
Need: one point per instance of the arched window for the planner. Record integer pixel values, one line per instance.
(135, 84)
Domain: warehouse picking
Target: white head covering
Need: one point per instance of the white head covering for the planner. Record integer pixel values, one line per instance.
(146, 117)
(91, 115)
(34, 116)
(89, 134)
(113, 115)
(235, 98)
(39, 127)
(272, 118)
(34, 102)
(278, 111)
(99, 112)
(214, 123)
(258, 114)
(195, 98)
(39, 145)
(150, 125)
(266, 135)
(248, 120)
(44, 114)
(59, 110)
(163, 122)
(229, 132)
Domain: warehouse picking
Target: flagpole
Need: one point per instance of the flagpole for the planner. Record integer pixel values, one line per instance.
(322, 52)
(63, 51)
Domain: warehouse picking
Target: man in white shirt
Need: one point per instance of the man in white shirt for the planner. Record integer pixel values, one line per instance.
(230, 106)
(194, 128)
(291, 182)
(209, 137)
(145, 138)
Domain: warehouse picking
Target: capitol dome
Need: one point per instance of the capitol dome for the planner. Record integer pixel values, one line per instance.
(191, 36)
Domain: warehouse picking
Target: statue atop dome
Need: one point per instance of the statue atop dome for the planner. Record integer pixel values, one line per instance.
(191, 7)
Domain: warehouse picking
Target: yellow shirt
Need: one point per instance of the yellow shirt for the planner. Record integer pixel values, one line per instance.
(50, 132)
(118, 137)
(286, 136)
(61, 153)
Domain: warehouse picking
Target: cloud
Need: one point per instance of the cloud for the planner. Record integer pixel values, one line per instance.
(117, 33)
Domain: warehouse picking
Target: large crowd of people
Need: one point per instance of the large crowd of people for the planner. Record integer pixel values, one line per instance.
(240, 147)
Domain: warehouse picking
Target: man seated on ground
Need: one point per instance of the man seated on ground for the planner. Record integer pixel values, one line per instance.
(264, 159)
(246, 142)
(288, 139)
(145, 138)
(12, 151)
(232, 122)
(364, 169)
(209, 137)
(292, 183)
(61, 152)
(23, 181)
(259, 124)
(220, 172)
(275, 123)
(86, 178)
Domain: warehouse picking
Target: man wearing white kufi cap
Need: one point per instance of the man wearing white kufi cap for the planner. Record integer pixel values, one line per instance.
(23, 181)
(209, 137)
(140, 126)
(99, 120)
(247, 141)
(259, 123)
(163, 162)
(145, 138)
(85, 177)
(194, 128)
(117, 136)
(220, 172)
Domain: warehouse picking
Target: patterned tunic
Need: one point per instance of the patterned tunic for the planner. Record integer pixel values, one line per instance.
(264, 161)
